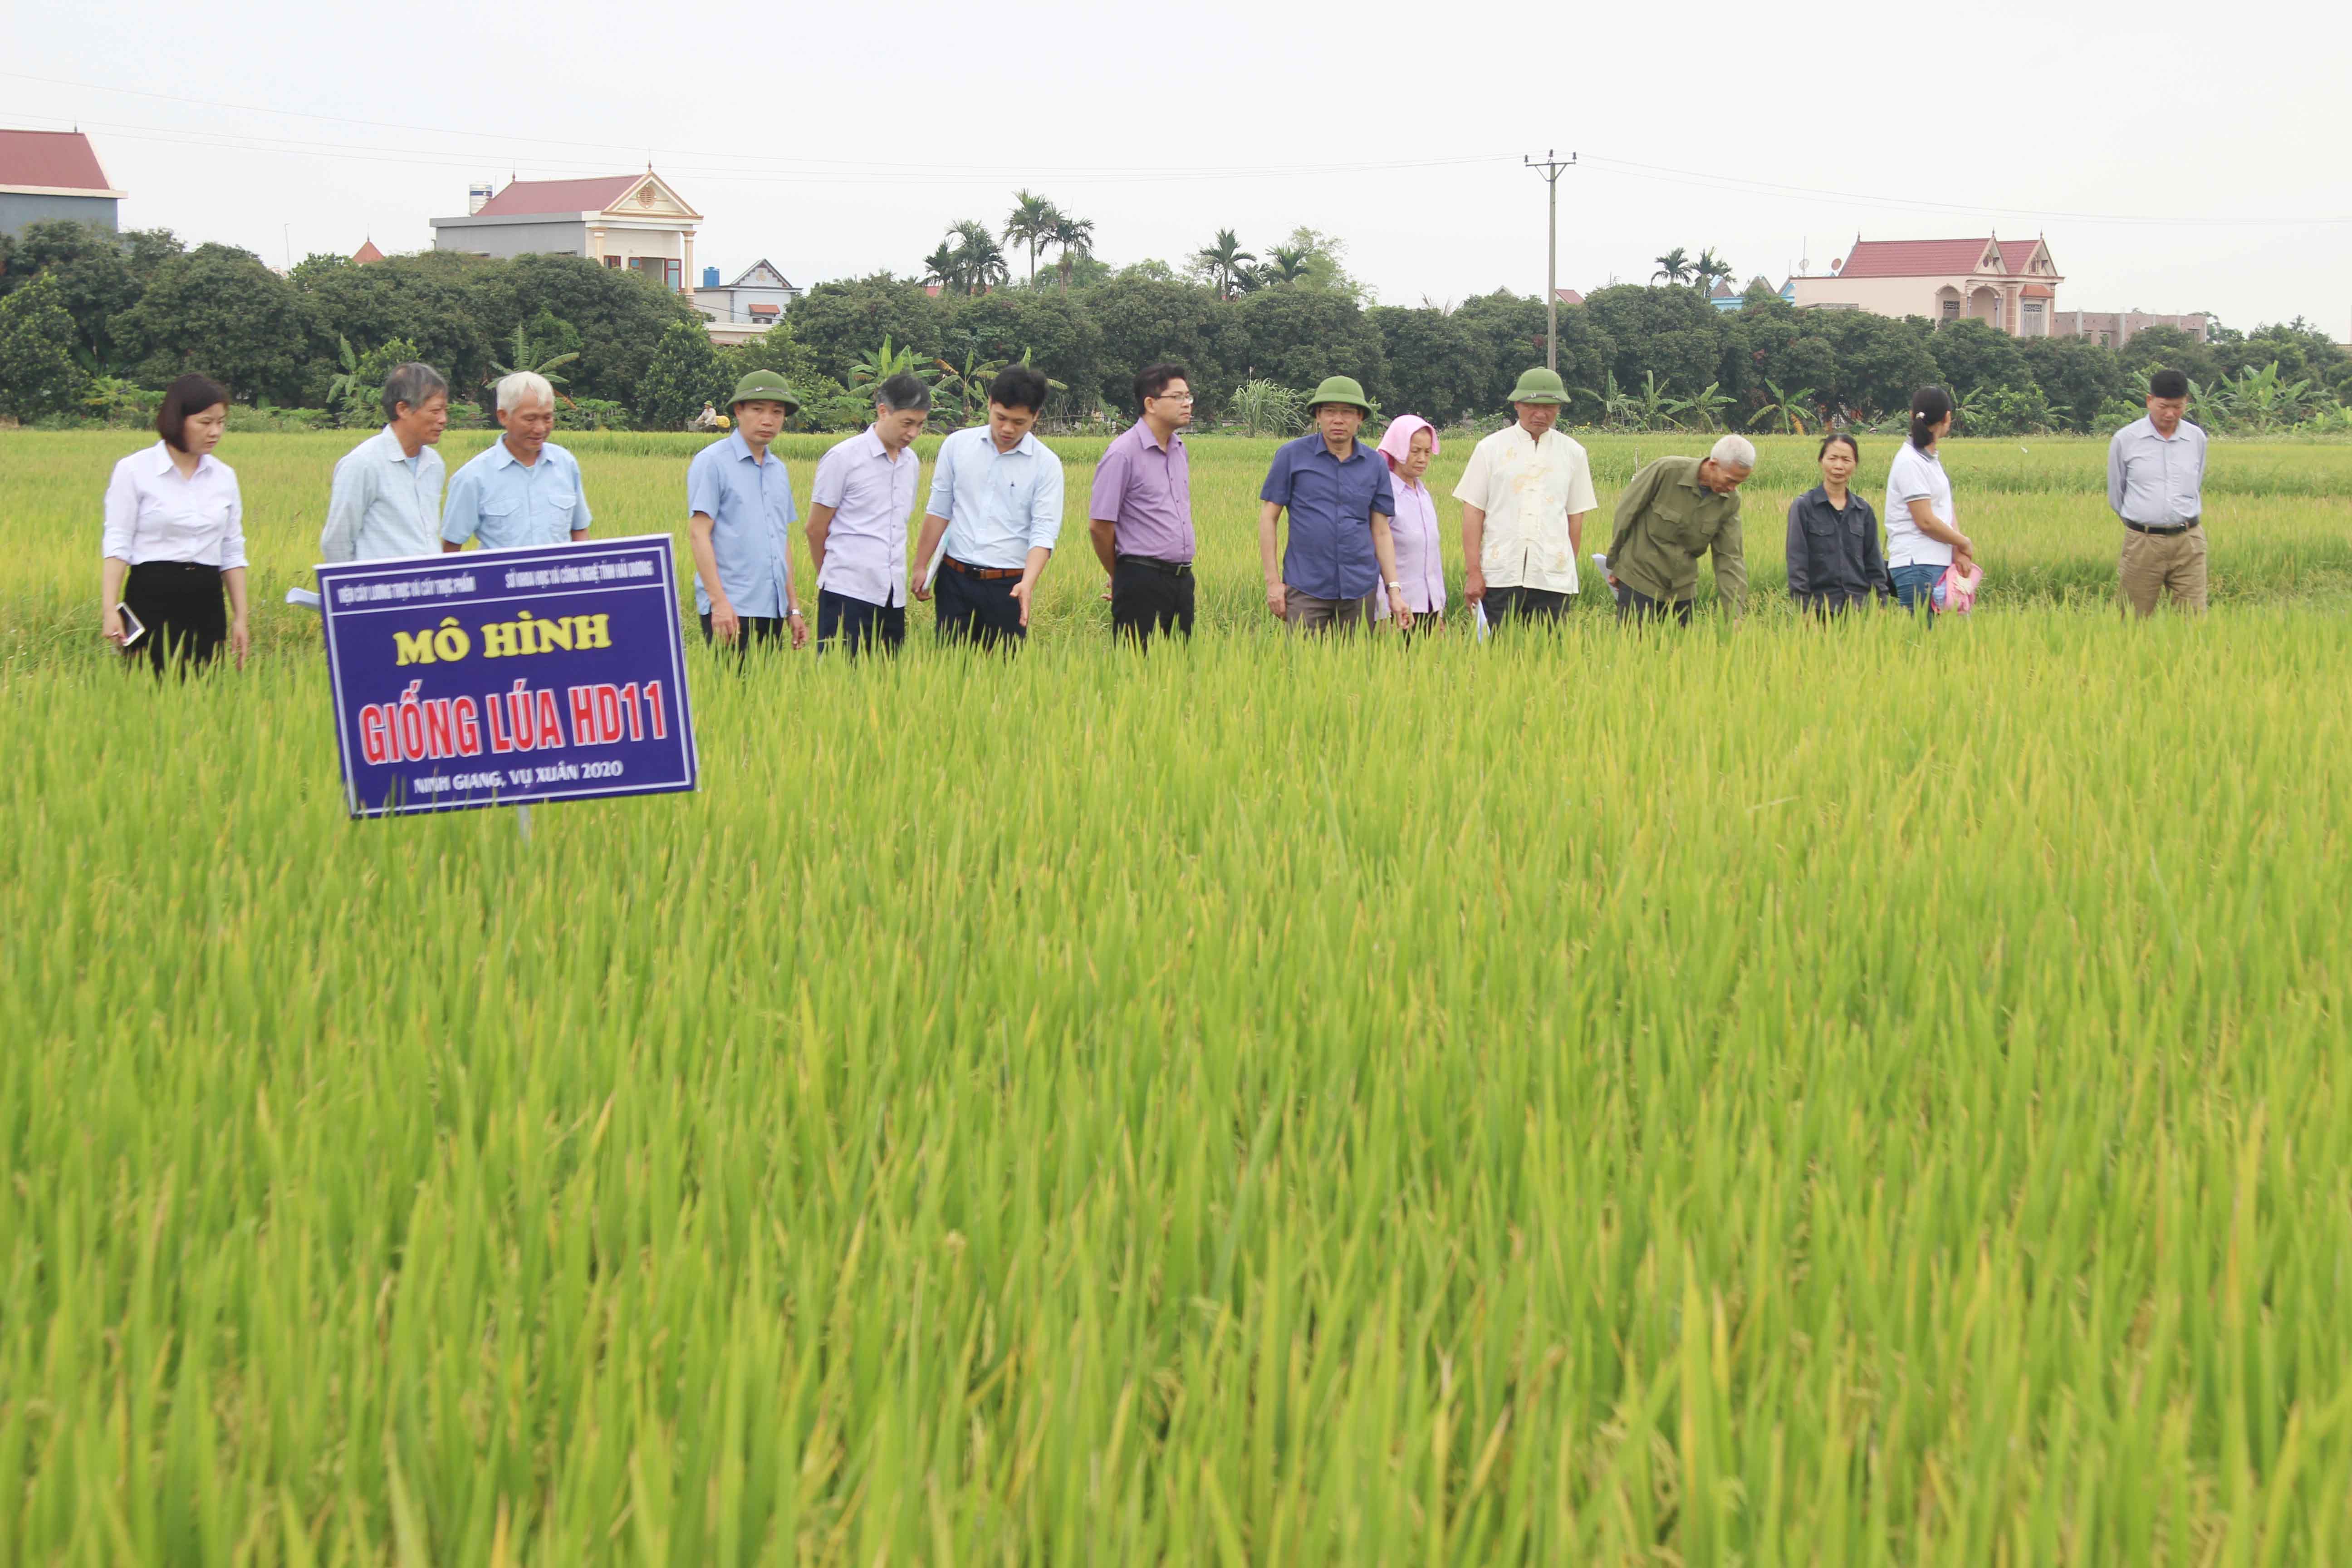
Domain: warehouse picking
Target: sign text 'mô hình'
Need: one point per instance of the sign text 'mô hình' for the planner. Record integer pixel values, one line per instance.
(503, 676)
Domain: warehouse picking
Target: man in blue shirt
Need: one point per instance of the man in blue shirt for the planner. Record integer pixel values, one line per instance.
(740, 504)
(1337, 494)
(994, 516)
(521, 490)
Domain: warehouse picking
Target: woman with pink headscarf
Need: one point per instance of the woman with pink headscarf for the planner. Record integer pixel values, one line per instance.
(1410, 444)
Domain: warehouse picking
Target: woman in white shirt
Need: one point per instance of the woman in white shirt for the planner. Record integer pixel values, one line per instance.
(1923, 530)
(1409, 446)
(175, 536)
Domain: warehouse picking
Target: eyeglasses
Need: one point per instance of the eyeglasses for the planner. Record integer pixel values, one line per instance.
(1169, 397)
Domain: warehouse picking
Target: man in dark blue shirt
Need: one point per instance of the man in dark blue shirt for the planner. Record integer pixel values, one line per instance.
(1337, 491)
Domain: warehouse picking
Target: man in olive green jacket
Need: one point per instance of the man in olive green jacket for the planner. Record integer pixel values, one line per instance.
(1673, 510)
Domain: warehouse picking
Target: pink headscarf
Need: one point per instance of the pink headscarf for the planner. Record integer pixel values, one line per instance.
(1396, 442)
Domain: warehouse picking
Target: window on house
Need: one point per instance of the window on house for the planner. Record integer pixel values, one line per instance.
(1952, 309)
(614, 261)
(664, 270)
(2033, 318)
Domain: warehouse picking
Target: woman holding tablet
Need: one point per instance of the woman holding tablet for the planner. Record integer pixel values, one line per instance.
(175, 537)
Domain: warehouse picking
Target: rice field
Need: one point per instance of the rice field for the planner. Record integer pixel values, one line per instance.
(1772, 1094)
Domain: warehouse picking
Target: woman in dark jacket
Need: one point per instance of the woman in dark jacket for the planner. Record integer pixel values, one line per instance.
(1834, 558)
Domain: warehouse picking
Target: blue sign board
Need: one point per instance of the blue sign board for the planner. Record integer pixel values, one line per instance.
(502, 676)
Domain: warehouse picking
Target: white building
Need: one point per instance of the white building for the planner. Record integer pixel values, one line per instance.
(739, 311)
(635, 221)
(2010, 285)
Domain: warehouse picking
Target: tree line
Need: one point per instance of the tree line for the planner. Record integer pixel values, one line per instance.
(90, 319)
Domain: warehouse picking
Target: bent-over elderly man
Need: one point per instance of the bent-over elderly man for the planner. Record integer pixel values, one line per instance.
(522, 489)
(1672, 511)
(2156, 481)
(1524, 499)
(386, 499)
(864, 491)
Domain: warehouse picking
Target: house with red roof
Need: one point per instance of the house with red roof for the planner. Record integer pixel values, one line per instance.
(2010, 285)
(633, 221)
(53, 174)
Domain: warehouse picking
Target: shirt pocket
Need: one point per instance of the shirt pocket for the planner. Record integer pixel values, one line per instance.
(1825, 526)
(559, 504)
(497, 516)
(1678, 523)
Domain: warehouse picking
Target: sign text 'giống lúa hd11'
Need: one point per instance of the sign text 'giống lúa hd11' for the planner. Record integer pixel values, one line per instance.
(504, 677)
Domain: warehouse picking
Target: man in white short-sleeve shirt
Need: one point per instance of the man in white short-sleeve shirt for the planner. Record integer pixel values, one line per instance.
(1524, 499)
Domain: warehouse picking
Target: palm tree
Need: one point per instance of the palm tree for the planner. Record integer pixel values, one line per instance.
(1674, 267)
(1789, 410)
(1708, 269)
(978, 259)
(1223, 259)
(939, 267)
(1073, 237)
(1030, 223)
(1285, 265)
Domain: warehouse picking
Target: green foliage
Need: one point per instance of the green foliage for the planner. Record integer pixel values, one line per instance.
(683, 376)
(542, 346)
(1221, 261)
(219, 311)
(38, 374)
(1788, 411)
(1298, 336)
(1266, 408)
(777, 349)
(866, 376)
(98, 275)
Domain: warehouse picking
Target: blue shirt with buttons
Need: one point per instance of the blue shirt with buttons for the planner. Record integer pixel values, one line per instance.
(509, 504)
(750, 504)
(1331, 502)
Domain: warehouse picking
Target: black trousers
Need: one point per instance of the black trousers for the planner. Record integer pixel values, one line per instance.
(1632, 604)
(983, 610)
(856, 624)
(182, 607)
(751, 630)
(1144, 600)
(1504, 605)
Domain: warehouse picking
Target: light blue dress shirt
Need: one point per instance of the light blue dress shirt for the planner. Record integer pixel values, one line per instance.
(2154, 482)
(999, 505)
(384, 504)
(509, 504)
(750, 504)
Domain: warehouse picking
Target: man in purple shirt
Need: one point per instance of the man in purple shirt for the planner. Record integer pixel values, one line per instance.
(858, 523)
(1140, 514)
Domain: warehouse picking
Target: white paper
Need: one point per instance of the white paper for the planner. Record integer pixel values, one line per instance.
(1479, 610)
(939, 553)
(303, 597)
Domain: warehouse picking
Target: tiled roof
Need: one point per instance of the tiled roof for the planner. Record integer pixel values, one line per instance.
(2039, 292)
(1915, 257)
(2016, 253)
(1569, 296)
(522, 198)
(366, 253)
(56, 160)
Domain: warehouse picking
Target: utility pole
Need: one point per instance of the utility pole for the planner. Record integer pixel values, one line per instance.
(1550, 169)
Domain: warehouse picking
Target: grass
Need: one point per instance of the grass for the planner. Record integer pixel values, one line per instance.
(1773, 1094)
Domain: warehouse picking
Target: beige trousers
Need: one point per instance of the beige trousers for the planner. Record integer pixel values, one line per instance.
(2156, 563)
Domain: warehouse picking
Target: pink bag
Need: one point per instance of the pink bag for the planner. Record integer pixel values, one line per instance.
(1955, 591)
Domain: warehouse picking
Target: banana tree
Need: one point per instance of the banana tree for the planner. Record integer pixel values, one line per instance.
(1706, 407)
(1652, 407)
(1788, 410)
(866, 376)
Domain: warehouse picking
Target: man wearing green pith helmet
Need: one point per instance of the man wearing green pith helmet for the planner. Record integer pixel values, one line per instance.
(1524, 499)
(1337, 491)
(738, 501)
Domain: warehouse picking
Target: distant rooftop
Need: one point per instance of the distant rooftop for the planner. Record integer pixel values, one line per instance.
(51, 160)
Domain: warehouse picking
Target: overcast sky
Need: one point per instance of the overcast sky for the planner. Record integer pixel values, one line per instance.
(2178, 157)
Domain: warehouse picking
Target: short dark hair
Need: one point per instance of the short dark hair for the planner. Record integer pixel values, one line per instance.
(2169, 384)
(1929, 406)
(1832, 439)
(191, 394)
(1153, 379)
(414, 383)
(903, 392)
(1018, 386)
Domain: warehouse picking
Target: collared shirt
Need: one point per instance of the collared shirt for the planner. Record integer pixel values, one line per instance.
(999, 505)
(1917, 474)
(750, 504)
(154, 514)
(384, 504)
(1331, 502)
(1528, 488)
(1833, 556)
(870, 494)
(1664, 519)
(1145, 490)
(2155, 482)
(507, 503)
(1421, 565)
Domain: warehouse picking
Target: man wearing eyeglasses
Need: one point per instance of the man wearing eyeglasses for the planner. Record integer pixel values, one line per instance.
(1140, 513)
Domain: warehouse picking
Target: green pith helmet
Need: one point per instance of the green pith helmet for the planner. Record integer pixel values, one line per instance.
(763, 386)
(1341, 389)
(1539, 386)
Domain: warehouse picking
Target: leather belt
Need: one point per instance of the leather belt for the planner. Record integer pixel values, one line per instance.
(986, 574)
(2162, 533)
(1153, 563)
